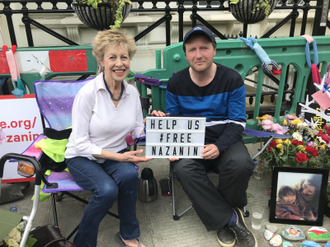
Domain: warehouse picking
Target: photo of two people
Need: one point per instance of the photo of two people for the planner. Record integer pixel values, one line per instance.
(297, 196)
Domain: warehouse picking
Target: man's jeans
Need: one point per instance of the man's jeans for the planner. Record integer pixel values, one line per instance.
(109, 182)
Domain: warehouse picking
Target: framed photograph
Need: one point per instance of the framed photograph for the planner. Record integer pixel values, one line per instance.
(298, 195)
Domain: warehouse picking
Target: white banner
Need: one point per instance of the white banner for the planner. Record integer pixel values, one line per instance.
(181, 137)
(20, 125)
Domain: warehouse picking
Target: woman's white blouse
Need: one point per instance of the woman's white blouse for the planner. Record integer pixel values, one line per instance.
(97, 124)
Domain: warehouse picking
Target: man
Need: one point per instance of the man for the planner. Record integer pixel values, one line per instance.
(218, 93)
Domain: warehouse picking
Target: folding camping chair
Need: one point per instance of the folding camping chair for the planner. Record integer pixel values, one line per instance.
(55, 100)
(266, 136)
(29, 219)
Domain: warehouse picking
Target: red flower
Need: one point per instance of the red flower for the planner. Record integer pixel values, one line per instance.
(328, 131)
(301, 157)
(301, 143)
(309, 149)
(272, 144)
(320, 133)
(315, 153)
(269, 148)
(325, 138)
(295, 142)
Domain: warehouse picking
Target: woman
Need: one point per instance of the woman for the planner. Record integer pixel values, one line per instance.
(104, 111)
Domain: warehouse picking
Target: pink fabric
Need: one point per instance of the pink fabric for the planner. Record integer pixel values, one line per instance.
(322, 99)
(129, 140)
(308, 38)
(316, 74)
(12, 63)
(32, 150)
(327, 82)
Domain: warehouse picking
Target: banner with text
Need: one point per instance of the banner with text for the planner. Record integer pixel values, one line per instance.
(20, 125)
(181, 137)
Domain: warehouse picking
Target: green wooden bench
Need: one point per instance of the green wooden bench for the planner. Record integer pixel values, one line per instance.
(44, 63)
(289, 53)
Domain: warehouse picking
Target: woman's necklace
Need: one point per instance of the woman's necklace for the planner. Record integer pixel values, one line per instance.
(121, 93)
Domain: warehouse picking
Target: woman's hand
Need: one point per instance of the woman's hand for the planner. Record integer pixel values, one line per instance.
(131, 157)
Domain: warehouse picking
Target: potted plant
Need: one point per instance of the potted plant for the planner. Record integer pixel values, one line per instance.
(251, 11)
(102, 14)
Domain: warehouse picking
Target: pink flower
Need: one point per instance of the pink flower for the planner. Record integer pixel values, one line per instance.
(277, 128)
(310, 144)
(290, 117)
(267, 124)
(267, 127)
(285, 129)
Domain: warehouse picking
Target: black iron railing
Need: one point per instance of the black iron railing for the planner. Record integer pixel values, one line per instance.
(180, 8)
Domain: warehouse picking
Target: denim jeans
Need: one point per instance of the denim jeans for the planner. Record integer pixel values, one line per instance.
(109, 182)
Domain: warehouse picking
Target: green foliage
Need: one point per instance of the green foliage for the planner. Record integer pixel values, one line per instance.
(119, 4)
(14, 238)
(262, 5)
(119, 14)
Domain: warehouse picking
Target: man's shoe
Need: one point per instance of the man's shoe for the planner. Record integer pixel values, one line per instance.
(226, 237)
(244, 237)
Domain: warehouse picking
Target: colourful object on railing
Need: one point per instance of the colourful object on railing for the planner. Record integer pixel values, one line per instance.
(315, 72)
(19, 90)
(263, 56)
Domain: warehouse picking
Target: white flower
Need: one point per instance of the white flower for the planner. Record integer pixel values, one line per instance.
(297, 136)
(302, 126)
(319, 138)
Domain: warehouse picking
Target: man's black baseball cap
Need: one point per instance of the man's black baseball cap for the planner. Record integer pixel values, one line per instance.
(199, 29)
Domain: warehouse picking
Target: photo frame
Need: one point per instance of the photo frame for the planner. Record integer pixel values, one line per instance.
(298, 195)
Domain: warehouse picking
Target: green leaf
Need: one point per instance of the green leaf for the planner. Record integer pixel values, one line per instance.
(30, 241)
(284, 158)
(233, 1)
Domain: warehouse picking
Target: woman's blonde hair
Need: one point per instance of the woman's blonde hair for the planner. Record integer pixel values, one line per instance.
(112, 37)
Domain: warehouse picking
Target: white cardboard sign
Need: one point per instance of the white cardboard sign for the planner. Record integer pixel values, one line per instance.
(21, 124)
(181, 137)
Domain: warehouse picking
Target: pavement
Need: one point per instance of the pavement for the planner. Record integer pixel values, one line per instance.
(158, 229)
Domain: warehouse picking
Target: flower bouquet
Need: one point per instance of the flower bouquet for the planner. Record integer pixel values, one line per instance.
(15, 236)
(308, 147)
